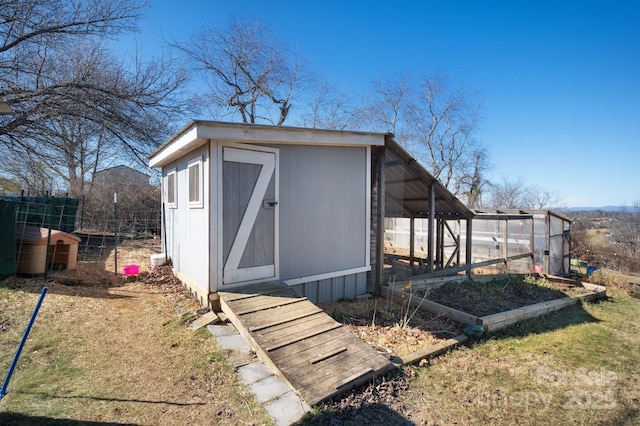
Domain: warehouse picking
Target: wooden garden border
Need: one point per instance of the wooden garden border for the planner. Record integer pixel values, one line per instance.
(497, 321)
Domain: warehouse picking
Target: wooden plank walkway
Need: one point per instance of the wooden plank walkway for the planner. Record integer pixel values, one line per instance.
(308, 349)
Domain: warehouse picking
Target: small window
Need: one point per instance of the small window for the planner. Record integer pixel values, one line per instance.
(172, 190)
(195, 183)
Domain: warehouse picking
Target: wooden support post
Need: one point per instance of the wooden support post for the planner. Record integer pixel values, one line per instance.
(505, 244)
(412, 240)
(115, 233)
(379, 252)
(547, 242)
(458, 244)
(440, 243)
(532, 244)
(430, 226)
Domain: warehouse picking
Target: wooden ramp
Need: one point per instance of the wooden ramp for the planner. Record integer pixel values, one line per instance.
(308, 349)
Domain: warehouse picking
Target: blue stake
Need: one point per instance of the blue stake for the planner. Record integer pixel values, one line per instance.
(3, 391)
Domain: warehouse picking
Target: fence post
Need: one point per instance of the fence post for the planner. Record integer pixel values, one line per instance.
(115, 232)
(48, 251)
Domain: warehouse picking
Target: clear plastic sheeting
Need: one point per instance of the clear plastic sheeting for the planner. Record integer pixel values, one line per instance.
(500, 240)
(513, 241)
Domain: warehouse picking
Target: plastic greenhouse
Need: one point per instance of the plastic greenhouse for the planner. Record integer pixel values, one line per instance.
(502, 241)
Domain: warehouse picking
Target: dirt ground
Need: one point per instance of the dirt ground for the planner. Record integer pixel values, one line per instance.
(109, 350)
(394, 329)
(500, 294)
(120, 350)
(132, 337)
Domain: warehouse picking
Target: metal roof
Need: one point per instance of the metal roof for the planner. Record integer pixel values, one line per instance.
(199, 132)
(490, 212)
(408, 186)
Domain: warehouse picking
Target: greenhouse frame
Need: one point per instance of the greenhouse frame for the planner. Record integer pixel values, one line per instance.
(502, 241)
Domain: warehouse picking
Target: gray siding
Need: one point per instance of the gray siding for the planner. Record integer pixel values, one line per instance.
(323, 196)
(333, 289)
(187, 228)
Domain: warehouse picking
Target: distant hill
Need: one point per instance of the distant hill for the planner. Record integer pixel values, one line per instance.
(591, 209)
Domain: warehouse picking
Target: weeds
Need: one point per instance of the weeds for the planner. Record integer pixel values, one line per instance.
(406, 313)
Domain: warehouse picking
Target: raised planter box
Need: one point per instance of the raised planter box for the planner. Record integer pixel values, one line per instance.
(505, 319)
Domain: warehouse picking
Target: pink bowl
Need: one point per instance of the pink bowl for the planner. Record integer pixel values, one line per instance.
(131, 269)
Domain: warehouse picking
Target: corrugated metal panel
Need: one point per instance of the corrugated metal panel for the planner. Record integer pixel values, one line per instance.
(408, 186)
(350, 286)
(361, 283)
(325, 290)
(337, 288)
(333, 289)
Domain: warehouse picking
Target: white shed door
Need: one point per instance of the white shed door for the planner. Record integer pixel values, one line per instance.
(249, 214)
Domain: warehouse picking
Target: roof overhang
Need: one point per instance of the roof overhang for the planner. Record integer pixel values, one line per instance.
(197, 133)
(485, 213)
(408, 188)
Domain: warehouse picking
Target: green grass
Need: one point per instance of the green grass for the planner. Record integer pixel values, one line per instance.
(578, 365)
(123, 357)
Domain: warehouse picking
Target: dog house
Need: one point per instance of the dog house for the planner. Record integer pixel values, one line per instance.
(40, 248)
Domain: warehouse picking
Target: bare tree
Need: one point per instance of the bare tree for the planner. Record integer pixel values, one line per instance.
(136, 198)
(516, 194)
(29, 174)
(445, 121)
(391, 99)
(248, 72)
(476, 182)
(626, 229)
(436, 124)
(32, 22)
(9, 186)
(68, 91)
(329, 108)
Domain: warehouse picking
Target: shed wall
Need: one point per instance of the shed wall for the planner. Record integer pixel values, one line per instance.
(333, 289)
(324, 227)
(187, 237)
(323, 209)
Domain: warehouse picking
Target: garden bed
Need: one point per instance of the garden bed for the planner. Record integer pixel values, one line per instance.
(496, 302)
(394, 328)
(497, 295)
(415, 320)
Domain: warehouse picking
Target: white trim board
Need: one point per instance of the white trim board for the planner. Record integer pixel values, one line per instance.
(327, 275)
(198, 133)
(367, 207)
(229, 275)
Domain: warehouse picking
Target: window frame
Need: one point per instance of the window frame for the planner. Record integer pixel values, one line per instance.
(199, 202)
(172, 204)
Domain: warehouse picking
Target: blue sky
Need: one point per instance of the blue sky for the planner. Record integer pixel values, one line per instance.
(560, 80)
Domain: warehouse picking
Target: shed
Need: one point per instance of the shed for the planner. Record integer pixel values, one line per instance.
(246, 203)
(40, 248)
